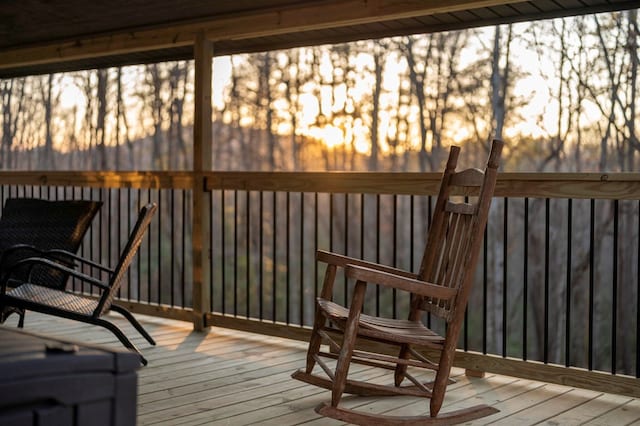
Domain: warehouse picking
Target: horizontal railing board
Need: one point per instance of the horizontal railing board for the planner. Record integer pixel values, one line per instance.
(161, 311)
(146, 179)
(621, 186)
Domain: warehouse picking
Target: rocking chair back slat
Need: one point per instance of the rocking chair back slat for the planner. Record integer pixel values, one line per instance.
(450, 250)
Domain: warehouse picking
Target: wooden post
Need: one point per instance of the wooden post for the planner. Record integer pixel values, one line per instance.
(202, 140)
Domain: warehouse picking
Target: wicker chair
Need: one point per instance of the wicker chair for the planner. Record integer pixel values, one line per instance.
(30, 227)
(67, 304)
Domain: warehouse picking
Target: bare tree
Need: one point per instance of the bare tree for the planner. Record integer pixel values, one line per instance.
(45, 160)
(379, 49)
(12, 97)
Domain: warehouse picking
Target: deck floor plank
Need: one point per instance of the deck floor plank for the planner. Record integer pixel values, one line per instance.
(594, 408)
(623, 414)
(227, 377)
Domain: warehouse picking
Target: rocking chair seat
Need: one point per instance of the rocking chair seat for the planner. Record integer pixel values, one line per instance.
(395, 330)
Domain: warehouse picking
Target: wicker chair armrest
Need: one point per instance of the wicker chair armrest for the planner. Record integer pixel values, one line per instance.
(56, 254)
(10, 250)
(33, 261)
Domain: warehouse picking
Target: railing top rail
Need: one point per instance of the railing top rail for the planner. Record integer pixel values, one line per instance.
(107, 179)
(534, 185)
(620, 186)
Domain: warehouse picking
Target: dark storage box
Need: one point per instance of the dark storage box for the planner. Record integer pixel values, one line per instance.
(46, 382)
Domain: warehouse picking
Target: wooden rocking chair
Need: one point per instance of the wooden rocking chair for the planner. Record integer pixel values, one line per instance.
(441, 288)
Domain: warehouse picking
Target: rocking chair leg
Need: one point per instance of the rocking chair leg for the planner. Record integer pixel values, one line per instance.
(348, 343)
(320, 319)
(315, 341)
(401, 369)
(440, 383)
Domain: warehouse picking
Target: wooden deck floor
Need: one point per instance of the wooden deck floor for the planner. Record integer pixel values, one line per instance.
(226, 377)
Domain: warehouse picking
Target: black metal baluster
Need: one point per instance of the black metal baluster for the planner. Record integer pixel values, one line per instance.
(547, 219)
(567, 350)
(130, 270)
(377, 250)
(301, 275)
(172, 236)
(149, 272)
(412, 232)
(274, 268)
(315, 244)
(394, 248)
(247, 250)
(525, 280)
(505, 245)
(235, 252)
(159, 252)
(346, 229)
(261, 256)
(184, 250)
(223, 252)
(485, 280)
(638, 298)
(288, 259)
(614, 289)
(362, 234)
(591, 280)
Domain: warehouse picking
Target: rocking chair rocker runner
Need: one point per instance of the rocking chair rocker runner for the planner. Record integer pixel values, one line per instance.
(441, 288)
(67, 304)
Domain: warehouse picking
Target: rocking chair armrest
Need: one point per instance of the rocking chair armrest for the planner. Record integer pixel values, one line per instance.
(343, 261)
(411, 285)
(32, 261)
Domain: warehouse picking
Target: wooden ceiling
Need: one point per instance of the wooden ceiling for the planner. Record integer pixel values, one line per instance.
(43, 36)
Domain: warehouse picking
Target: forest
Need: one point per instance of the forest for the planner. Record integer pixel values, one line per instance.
(561, 93)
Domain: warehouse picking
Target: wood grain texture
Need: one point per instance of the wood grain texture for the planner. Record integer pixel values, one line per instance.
(262, 21)
(531, 370)
(226, 376)
(610, 186)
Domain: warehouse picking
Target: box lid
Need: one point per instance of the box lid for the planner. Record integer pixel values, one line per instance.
(24, 354)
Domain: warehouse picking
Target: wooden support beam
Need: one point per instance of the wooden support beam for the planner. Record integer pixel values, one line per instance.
(203, 53)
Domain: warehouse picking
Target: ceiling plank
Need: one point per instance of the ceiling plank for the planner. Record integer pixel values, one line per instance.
(303, 16)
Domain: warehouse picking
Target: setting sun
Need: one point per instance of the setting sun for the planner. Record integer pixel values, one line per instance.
(330, 135)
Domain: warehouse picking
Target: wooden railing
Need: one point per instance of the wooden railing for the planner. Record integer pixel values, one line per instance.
(548, 303)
